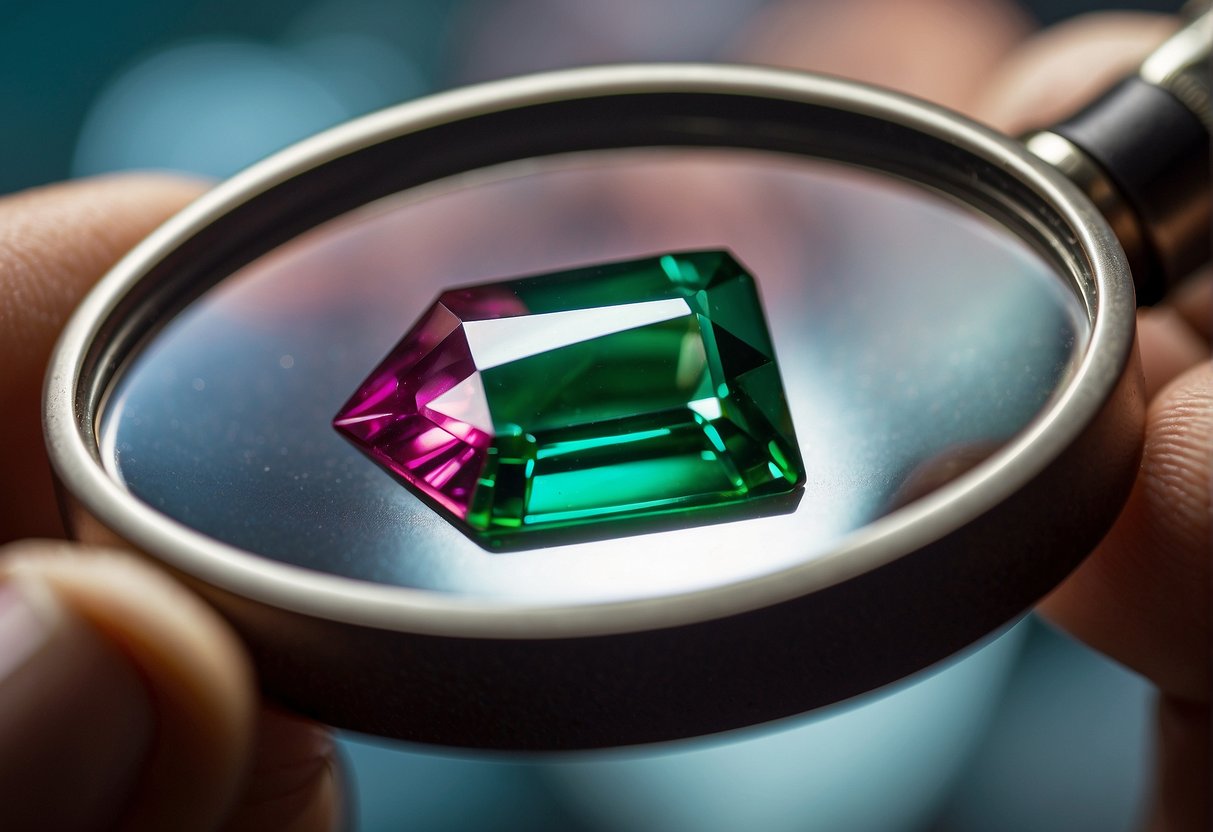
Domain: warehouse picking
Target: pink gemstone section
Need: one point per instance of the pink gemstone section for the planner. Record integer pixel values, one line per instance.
(411, 414)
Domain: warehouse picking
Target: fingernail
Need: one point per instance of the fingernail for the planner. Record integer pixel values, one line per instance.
(76, 720)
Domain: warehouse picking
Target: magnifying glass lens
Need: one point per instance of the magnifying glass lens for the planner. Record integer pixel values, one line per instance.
(914, 336)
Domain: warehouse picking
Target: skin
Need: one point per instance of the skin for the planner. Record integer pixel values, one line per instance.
(107, 663)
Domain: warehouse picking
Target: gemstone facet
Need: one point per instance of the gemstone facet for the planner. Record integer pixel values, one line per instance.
(635, 388)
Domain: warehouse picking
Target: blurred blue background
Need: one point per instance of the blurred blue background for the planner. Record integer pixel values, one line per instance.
(1029, 732)
(210, 85)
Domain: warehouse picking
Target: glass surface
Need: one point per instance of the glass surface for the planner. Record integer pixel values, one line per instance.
(914, 337)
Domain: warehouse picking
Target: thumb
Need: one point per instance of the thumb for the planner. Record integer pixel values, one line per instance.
(126, 701)
(123, 698)
(76, 721)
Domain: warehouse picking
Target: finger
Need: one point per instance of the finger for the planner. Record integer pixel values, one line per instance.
(54, 244)
(196, 698)
(76, 721)
(1142, 597)
(1049, 76)
(168, 735)
(1141, 570)
(890, 42)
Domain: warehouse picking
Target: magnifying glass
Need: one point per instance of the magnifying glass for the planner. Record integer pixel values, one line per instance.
(625, 404)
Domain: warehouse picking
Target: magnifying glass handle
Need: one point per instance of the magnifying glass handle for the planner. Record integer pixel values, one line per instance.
(1141, 152)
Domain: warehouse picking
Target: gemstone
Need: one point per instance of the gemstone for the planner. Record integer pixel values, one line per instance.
(635, 388)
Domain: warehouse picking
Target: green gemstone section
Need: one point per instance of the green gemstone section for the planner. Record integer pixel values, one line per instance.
(617, 390)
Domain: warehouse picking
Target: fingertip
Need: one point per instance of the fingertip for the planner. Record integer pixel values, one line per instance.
(197, 676)
(76, 720)
(1178, 468)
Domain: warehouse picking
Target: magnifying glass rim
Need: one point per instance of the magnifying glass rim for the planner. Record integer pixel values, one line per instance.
(72, 443)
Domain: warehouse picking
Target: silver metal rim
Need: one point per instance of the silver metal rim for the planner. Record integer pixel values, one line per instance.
(69, 432)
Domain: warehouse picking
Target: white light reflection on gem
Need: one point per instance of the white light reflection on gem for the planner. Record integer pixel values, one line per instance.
(466, 403)
(502, 340)
(708, 408)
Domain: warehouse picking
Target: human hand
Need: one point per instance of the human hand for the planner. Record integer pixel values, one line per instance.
(166, 736)
(124, 699)
(1143, 596)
